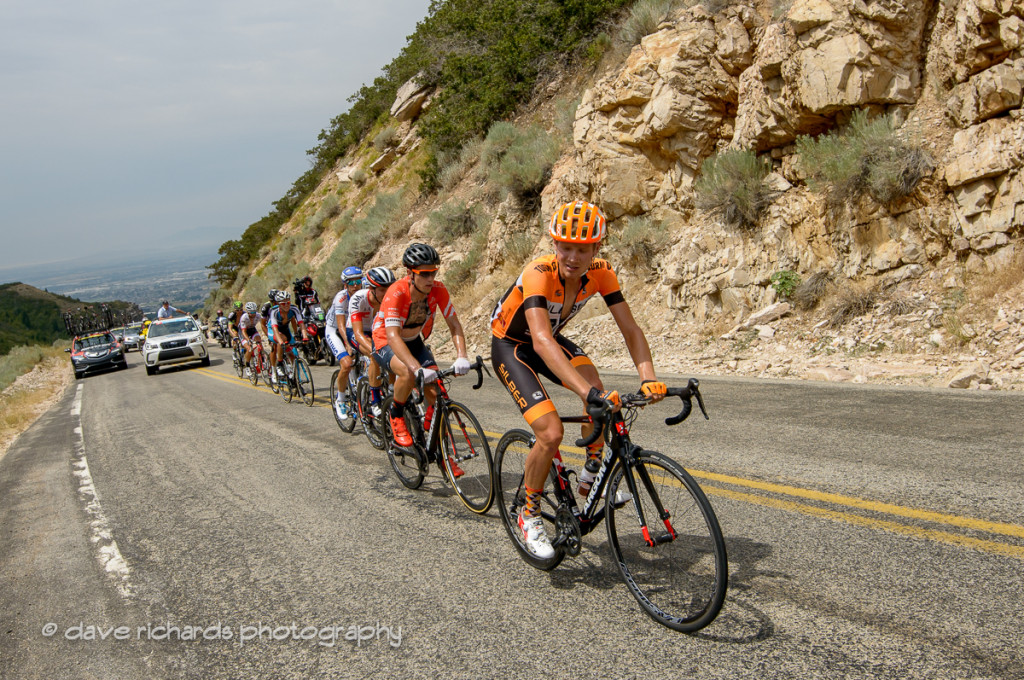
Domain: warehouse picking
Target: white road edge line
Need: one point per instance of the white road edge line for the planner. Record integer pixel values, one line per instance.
(107, 553)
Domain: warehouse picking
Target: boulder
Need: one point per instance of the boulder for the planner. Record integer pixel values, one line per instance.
(410, 99)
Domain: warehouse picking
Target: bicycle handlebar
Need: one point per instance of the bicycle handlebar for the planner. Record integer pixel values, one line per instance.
(477, 366)
(601, 413)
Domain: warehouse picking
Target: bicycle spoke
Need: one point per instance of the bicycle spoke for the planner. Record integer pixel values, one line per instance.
(681, 580)
(465, 449)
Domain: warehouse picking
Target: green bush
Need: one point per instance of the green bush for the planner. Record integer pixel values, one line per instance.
(732, 183)
(454, 220)
(644, 17)
(519, 160)
(316, 223)
(785, 283)
(867, 157)
(385, 138)
(454, 166)
(518, 248)
(640, 242)
(462, 273)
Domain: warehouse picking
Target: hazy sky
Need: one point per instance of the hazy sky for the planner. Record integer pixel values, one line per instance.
(127, 124)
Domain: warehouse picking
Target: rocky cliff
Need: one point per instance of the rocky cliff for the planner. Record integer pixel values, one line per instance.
(940, 268)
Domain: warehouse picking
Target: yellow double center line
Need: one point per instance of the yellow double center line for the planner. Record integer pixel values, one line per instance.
(781, 498)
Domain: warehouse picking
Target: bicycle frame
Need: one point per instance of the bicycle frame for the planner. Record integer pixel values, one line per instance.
(619, 447)
(431, 442)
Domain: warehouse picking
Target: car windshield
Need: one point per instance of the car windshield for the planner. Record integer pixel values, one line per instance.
(172, 326)
(94, 341)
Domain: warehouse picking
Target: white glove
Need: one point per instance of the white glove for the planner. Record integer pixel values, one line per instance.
(429, 375)
(461, 366)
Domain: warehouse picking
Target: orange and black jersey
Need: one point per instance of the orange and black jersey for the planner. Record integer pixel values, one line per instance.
(541, 286)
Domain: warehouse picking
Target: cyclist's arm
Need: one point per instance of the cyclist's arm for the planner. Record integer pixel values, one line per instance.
(635, 339)
(294, 321)
(365, 343)
(458, 335)
(550, 351)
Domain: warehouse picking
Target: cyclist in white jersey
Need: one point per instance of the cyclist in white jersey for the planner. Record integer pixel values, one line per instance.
(362, 309)
(338, 341)
(248, 333)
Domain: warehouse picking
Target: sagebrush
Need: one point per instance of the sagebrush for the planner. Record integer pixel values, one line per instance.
(732, 183)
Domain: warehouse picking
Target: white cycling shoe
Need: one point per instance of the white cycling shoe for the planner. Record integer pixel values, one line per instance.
(535, 537)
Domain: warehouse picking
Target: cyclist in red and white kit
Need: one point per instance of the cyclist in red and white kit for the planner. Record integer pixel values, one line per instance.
(403, 324)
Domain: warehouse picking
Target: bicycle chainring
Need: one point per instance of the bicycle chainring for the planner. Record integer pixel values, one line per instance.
(568, 531)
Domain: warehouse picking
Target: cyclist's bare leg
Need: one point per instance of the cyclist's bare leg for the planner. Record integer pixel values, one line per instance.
(549, 431)
(404, 380)
(344, 366)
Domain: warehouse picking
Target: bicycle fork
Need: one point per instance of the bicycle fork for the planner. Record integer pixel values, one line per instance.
(630, 463)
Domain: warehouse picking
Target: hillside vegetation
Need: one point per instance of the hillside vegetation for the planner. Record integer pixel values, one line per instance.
(854, 169)
(30, 316)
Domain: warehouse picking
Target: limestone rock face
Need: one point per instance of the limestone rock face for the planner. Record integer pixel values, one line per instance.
(951, 72)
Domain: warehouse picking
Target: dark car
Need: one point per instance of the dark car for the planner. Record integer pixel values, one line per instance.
(94, 352)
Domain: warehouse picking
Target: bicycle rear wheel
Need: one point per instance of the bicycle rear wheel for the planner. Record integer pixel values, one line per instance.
(407, 462)
(464, 444)
(304, 381)
(679, 581)
(509, 465)
(371, 425)
(346, 424)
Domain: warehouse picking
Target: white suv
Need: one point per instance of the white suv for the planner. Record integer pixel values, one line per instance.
(174, 341)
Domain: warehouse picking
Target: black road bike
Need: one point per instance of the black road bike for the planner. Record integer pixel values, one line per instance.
(453, 439)
(662, 530)
(299, 380)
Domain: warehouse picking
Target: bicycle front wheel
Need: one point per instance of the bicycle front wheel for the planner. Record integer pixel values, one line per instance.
(304, 381)
(467, 458)
(674, 564)
(236, 359)
(254, 368)
(407, 463)
(371, 425)
(509, 467)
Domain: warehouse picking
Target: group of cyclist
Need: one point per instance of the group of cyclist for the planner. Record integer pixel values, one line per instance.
(391, 320)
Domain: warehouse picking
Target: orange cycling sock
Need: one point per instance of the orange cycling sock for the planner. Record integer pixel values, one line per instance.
(532, 507)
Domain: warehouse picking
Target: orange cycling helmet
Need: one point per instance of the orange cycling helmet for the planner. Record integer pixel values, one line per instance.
(578, 222)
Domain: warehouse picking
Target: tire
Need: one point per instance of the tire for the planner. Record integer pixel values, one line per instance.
(407, 463)
(509, 464)
(150, 370)
(236, 361)
(463, 440)
(680, 583)
(254, 370)
(205, 361)
(304, 382)
(78, 376)
(275, 387)
(349, 424)
(371, 426)
(288, 386)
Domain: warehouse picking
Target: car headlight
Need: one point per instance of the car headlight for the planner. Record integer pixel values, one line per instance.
(195, 339)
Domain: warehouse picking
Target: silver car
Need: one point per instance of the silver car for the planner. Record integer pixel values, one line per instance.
(174, 341)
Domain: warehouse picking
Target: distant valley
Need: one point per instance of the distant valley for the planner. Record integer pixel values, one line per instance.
(146, 280)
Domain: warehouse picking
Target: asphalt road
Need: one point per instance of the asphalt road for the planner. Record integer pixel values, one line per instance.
(872, 533)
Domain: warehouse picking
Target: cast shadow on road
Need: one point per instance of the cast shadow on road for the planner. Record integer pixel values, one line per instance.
(740, 621)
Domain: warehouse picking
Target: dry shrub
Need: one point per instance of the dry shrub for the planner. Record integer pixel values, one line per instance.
(809, 293)
(850, 302)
